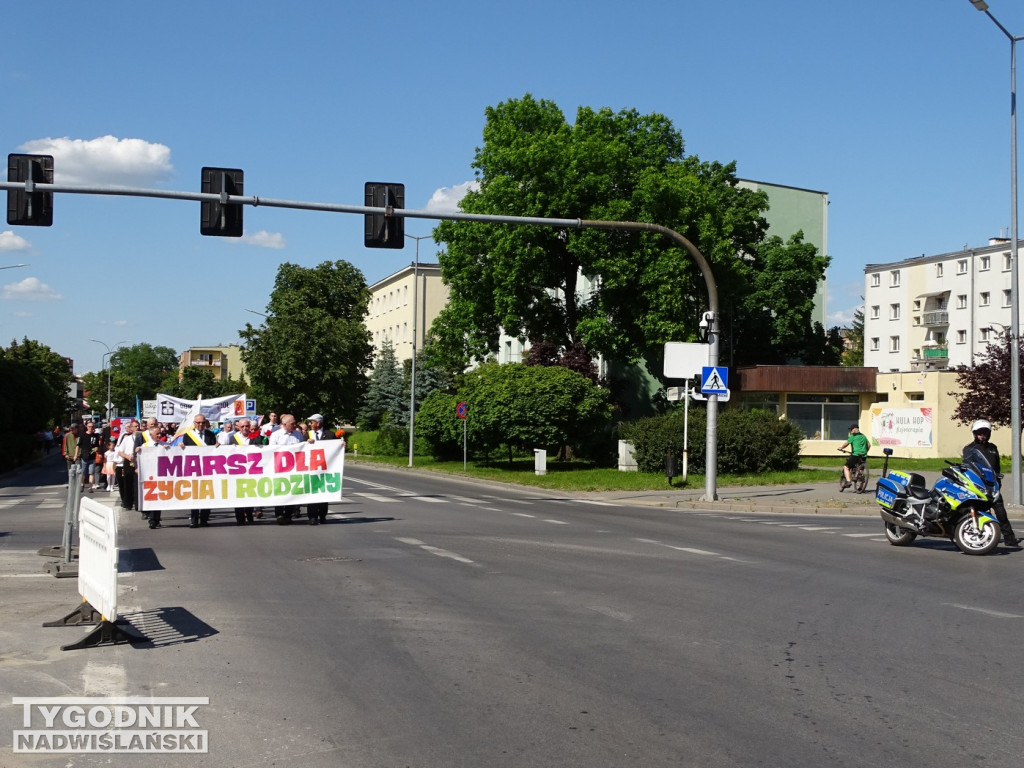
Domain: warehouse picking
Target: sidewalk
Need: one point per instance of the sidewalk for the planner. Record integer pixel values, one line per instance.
(806, 498)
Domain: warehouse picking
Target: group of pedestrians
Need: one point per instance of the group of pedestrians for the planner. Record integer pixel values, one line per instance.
(240, 431)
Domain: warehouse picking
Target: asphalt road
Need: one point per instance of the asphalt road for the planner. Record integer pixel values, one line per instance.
(434, 622)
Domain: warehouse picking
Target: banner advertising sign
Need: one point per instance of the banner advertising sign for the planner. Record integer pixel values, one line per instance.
(173, 477)
(177, 410)
(907, 427)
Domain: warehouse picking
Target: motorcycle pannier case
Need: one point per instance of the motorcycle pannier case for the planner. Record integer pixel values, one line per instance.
(891, 491)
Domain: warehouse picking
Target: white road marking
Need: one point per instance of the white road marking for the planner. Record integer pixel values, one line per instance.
(597, 503)
(436, 550)
(555, 522)
(986, 611)
(858, 535)
(376, 497)
(522, 514)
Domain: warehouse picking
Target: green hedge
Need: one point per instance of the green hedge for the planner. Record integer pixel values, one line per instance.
(749, 442)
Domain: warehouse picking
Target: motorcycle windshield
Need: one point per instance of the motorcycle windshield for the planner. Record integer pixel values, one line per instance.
(975, 457)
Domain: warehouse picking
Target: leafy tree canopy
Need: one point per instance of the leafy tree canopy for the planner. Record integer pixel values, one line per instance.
(51, 376)
(313, 351)
(607, 165)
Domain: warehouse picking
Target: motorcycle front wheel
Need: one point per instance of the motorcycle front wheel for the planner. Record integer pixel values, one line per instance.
(973, 540)
(899, 537)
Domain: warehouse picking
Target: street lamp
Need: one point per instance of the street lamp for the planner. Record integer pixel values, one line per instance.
(107, 354)
(1015, 425)
(412, 374)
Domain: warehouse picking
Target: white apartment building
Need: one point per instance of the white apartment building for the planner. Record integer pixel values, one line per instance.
(392, 299)
(936, 312)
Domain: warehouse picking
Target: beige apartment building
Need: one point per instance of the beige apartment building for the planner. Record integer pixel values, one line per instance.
(403, 301)
(223, 361)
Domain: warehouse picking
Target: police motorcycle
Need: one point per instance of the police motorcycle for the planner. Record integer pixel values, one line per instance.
(958, 507)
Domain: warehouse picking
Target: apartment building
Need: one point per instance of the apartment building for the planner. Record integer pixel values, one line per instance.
(392, 301)
(224, 361)
(935, 312)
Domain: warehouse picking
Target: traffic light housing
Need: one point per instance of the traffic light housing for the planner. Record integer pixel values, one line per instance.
(30, 208)
(383, 231)
(220, 219)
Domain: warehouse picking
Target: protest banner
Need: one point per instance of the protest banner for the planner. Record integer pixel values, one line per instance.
(176, 477)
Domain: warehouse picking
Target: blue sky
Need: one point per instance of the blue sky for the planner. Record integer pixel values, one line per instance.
(898, 109)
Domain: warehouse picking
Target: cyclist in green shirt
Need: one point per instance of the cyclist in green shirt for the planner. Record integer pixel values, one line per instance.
(859, 446)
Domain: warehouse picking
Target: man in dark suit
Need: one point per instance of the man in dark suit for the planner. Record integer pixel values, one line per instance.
(199, 434)
(244, 435)
(317, 513)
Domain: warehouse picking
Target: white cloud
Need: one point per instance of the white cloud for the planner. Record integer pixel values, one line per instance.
(446, 199)
(105, 161)
(30, 289)
(12, 242)
(265, 239)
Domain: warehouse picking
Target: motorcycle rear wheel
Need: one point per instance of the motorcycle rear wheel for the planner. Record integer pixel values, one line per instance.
(899, 537)
(973, 540)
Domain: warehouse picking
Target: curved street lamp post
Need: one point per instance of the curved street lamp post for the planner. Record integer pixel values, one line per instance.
(106, 355)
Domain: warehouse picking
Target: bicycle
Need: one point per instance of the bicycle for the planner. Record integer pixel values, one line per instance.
(858, 475)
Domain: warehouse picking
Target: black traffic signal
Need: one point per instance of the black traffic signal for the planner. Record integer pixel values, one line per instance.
(383, 231)
(221, 219)
(30, 208)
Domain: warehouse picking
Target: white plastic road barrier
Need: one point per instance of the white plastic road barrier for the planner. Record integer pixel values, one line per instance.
(97, 557)
(97, 580)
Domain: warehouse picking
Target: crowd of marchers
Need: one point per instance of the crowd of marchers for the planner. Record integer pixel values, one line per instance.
(93, 453)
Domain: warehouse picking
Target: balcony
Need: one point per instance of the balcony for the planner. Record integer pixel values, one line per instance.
(936, 317)
(931, 358)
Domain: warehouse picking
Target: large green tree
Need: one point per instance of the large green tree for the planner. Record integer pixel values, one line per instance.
(606, 165)
(313, 350)
(138, 372)
(52, 375)
(774, 325)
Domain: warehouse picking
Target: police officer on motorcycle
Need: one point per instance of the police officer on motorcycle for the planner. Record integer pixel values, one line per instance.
(982, 430)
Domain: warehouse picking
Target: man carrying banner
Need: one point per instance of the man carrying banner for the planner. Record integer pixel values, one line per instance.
(286, 434)
(317, 513)
(199, 434)
(242, 435)
(149, 439)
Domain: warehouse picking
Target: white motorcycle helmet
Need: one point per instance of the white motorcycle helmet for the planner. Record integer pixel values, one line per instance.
(981, 424)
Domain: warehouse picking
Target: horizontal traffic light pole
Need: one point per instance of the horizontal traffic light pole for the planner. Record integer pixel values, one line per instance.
(223, 199)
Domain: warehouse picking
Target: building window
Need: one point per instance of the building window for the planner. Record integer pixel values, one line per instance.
(823, 417)
(876, 280)
(1007, 264)
(961, 267)
(894, 311)
(874, 344)
(984, 299)
(894, 279)
(961, 301)
(961, 337)
(917, 305)
(986, 264)
(986, 334)
(894, 343)
(915, 396)
(875, 309)
(1006, 298)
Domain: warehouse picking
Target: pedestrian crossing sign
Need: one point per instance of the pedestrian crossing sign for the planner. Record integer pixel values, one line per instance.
(714, 380)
